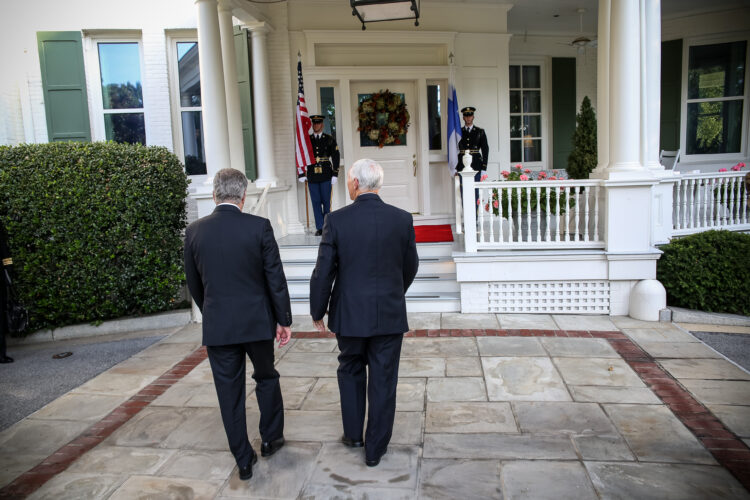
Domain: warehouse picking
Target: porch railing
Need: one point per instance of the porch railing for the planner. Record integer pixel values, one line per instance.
(710, 201)
(546, 214)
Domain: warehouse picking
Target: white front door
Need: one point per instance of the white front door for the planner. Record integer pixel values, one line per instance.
(399, 161)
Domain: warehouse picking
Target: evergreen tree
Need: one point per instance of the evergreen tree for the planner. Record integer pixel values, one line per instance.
(582, 160)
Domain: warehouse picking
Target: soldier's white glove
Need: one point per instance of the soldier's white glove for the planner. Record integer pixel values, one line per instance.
(303, 179)
(334, 180)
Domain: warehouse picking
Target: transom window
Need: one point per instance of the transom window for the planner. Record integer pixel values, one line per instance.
(715, 98)
(122, 92)
(525, 113)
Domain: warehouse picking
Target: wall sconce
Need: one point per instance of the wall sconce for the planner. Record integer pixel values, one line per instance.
(370, 11)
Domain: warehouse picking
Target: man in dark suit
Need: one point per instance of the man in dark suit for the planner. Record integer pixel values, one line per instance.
(235, 276)
(368, 255)
(5, 280)
(324, 173)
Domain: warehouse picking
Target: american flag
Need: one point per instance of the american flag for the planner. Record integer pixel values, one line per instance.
(303, 146)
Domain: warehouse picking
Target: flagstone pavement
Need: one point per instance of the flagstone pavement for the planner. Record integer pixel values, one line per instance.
(489, 406)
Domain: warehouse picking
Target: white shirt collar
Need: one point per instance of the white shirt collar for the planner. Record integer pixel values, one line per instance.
(227, 203)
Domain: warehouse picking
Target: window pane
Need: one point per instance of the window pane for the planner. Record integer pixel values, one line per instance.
(532, 150)
(192, 140)
(515, 126)
(125, 127)
(716, 70)
(328, 109)
(434, 117)
(189, 74)
(532, 126)
(515, 101)
(532, 101)
(515, 151)
(515, 77)
(714, 127)
(531, 78)
(120, 66)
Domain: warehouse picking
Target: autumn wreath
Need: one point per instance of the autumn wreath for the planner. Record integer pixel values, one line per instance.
(383, 118)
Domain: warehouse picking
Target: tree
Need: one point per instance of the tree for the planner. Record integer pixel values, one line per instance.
(582, 160)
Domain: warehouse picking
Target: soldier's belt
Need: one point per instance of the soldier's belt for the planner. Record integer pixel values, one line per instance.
(317, 170)
(470, 151)
(319, 159)
(8, 262)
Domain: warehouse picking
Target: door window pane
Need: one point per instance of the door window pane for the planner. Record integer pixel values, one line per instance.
(532, 126)
(189, 74)
(120, 67)
(515, 126)
(515, 101)
(531, 78)
(714, 127)
(192, 139)
(328, 109)
(532, 150)
(515, 151)
(515, 77)
(434, 117)
(532, 101)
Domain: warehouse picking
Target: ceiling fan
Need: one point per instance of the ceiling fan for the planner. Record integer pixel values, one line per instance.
(581, 41)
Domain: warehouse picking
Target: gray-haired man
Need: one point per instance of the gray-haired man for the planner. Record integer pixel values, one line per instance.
(235, 276)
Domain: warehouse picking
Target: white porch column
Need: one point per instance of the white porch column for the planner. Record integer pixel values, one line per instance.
(213, 95)
(234, 112)
(624, 87)
(262, 110)
(652, 78)
(602, 86)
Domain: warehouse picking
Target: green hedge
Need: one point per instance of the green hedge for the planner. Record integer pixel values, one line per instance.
(95, 229)
(708, 271)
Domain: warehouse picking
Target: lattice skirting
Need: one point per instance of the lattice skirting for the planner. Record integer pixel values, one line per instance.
(559, 297)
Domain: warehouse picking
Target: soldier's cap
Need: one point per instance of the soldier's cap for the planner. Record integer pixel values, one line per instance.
(317, 118)
(468, 111)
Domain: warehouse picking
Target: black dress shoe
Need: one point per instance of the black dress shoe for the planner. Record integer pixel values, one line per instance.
(319, 232)
(268, 449)
(6, 359)
(372, 462)
(247, 472)
(352, 443)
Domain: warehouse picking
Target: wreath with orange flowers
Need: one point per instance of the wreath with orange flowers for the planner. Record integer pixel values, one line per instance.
(383, 117)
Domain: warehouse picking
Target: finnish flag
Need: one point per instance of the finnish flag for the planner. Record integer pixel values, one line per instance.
(454, 130)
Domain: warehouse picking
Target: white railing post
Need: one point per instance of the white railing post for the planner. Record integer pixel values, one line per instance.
(469, 205)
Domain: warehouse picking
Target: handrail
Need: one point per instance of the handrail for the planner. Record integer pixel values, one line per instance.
(714, 200)
(459, 210)
(256, 208)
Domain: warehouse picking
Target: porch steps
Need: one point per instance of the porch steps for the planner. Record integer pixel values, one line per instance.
(435, 288)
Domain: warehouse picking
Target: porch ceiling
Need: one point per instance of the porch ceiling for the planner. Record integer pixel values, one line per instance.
(536, 17)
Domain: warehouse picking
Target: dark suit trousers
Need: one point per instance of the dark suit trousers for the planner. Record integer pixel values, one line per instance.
(381, 354)
(228, 367)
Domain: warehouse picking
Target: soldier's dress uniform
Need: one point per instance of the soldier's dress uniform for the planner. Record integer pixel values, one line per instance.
(327, 159)
(475, 142)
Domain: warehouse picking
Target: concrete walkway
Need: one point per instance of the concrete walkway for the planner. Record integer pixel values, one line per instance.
(489, 406)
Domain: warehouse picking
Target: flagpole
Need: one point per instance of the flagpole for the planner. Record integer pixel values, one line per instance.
(307, 209)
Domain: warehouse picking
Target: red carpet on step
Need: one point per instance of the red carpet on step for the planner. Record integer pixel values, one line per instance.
(433, 234)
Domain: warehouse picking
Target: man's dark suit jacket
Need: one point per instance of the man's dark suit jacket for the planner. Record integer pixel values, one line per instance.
(236, 278)
(369, 256)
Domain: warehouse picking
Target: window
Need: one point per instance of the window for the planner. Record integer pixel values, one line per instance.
(328, 109)
(434, 117)
(191, 118)
(715, 98)
(525, 113)
(122, 92)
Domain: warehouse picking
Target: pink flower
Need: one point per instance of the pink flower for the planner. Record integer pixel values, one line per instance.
(553, 178)
(524, 177)
(483, 178)
(554, 172)
(486, 207)
(505, 173)
(736, 168)
(518, 166)
(542, 175)
(477, 202)
(527, 171)
(722, 170)
(495, 204)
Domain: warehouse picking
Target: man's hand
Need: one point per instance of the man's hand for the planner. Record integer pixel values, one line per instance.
(320, 325)
(334, 180)
(283, 334)
(303, 179)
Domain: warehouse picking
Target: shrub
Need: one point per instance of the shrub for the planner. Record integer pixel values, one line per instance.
(582, 160)
(708, 271)
(95, 229)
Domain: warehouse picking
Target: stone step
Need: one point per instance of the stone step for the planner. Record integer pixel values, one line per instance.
(298, 269)
(310, 252)
(428, 283)
(415, 302)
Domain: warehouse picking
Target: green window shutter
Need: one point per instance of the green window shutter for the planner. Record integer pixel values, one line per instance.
(563, 109)
(671, 94)
(64, 85)
(244, 81)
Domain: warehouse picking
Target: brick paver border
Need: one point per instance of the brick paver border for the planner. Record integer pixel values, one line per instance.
(729, 450)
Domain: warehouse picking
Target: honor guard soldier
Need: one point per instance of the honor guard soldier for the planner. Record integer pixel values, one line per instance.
(473, 140)
(324, 173)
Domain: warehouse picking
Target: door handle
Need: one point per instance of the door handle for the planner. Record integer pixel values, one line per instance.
(414, 163)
